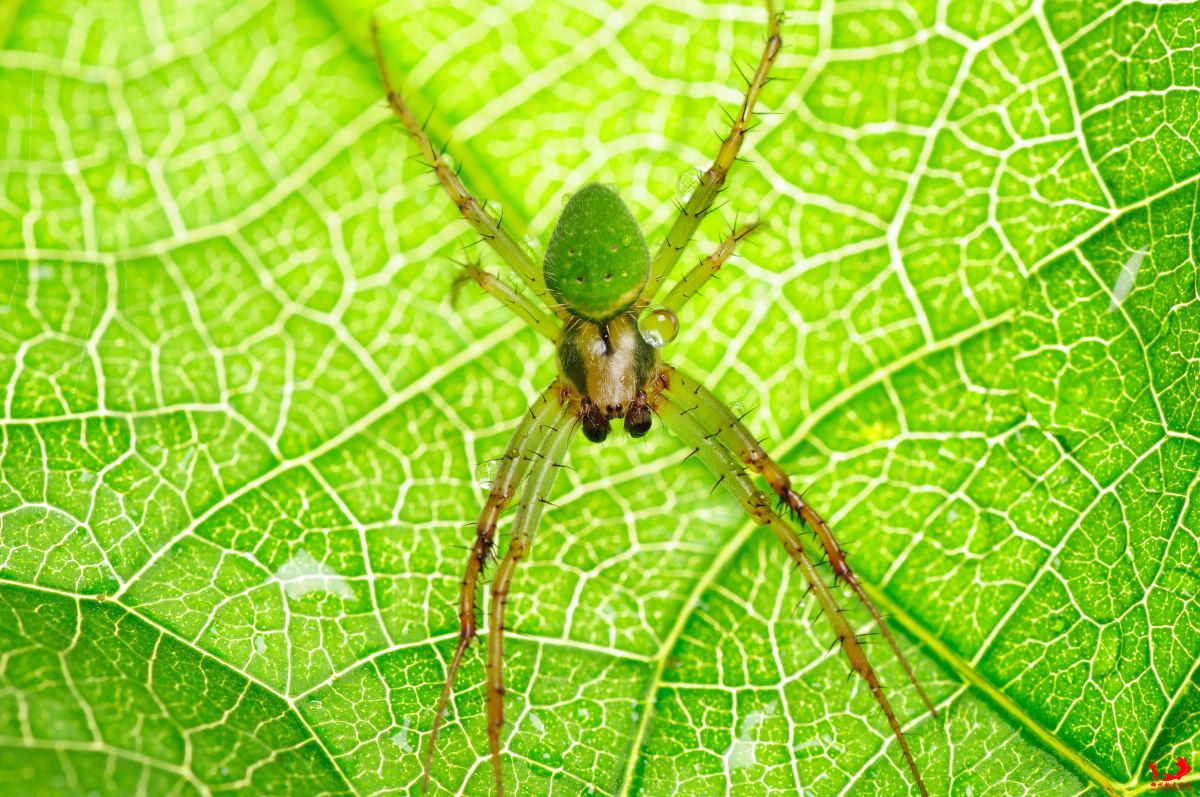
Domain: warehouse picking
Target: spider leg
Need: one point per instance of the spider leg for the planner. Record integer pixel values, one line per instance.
(690, 284)
(700, 202)
(693, 424)
(542, 323)
(470, 207)
(539, 480)
(525, 449)
(729, 429)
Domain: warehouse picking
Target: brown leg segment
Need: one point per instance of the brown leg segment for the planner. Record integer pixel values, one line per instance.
(526, 449)
(470, 208)
(539, 481)
(692, 423)
(729, 429)
(700, 202)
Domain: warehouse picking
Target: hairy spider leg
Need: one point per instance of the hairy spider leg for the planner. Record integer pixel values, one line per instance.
(539, 481)
(520, 304)
(490, 229)
(700, 202)
(689, 285)
(692, 425)
(527, 448)
(738, 439)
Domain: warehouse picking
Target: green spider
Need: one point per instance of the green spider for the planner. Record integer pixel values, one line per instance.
(597, 278)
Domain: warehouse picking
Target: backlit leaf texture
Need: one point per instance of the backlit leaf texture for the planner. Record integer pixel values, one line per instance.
(241, 420)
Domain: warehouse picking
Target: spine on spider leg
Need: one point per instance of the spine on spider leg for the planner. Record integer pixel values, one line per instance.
(846, 638)
(738, 439)
(540, 480)
(700, 202)
(525, 449)
(470, 208)
(691, 283)
(516, 301)
(681, 416)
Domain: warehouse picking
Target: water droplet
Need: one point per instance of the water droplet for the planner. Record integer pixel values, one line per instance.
(659, 326)
(687, 183)
(448, 159)
(567, 197)
(485, 473)
(627, 240)
(532, 246)
(738, 409)
(493, 209)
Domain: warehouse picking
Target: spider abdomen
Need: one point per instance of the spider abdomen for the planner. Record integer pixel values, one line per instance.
(610, 366)
(597, 262)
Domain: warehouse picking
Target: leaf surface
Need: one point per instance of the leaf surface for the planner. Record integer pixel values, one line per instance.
(241, 421)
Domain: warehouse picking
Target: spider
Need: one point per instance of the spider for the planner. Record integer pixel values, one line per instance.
(598, 282)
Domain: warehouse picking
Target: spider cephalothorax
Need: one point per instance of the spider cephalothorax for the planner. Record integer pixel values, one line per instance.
(608, 368)
(597, 278)
(596, 266)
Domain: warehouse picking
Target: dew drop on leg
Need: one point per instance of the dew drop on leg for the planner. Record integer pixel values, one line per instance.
(688, 182)
(658, 326)
(485, 473)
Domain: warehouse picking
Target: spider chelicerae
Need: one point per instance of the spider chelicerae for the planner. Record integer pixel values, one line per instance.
(598, 283)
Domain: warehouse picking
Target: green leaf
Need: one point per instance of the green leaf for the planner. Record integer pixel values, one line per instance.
(241, 421)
